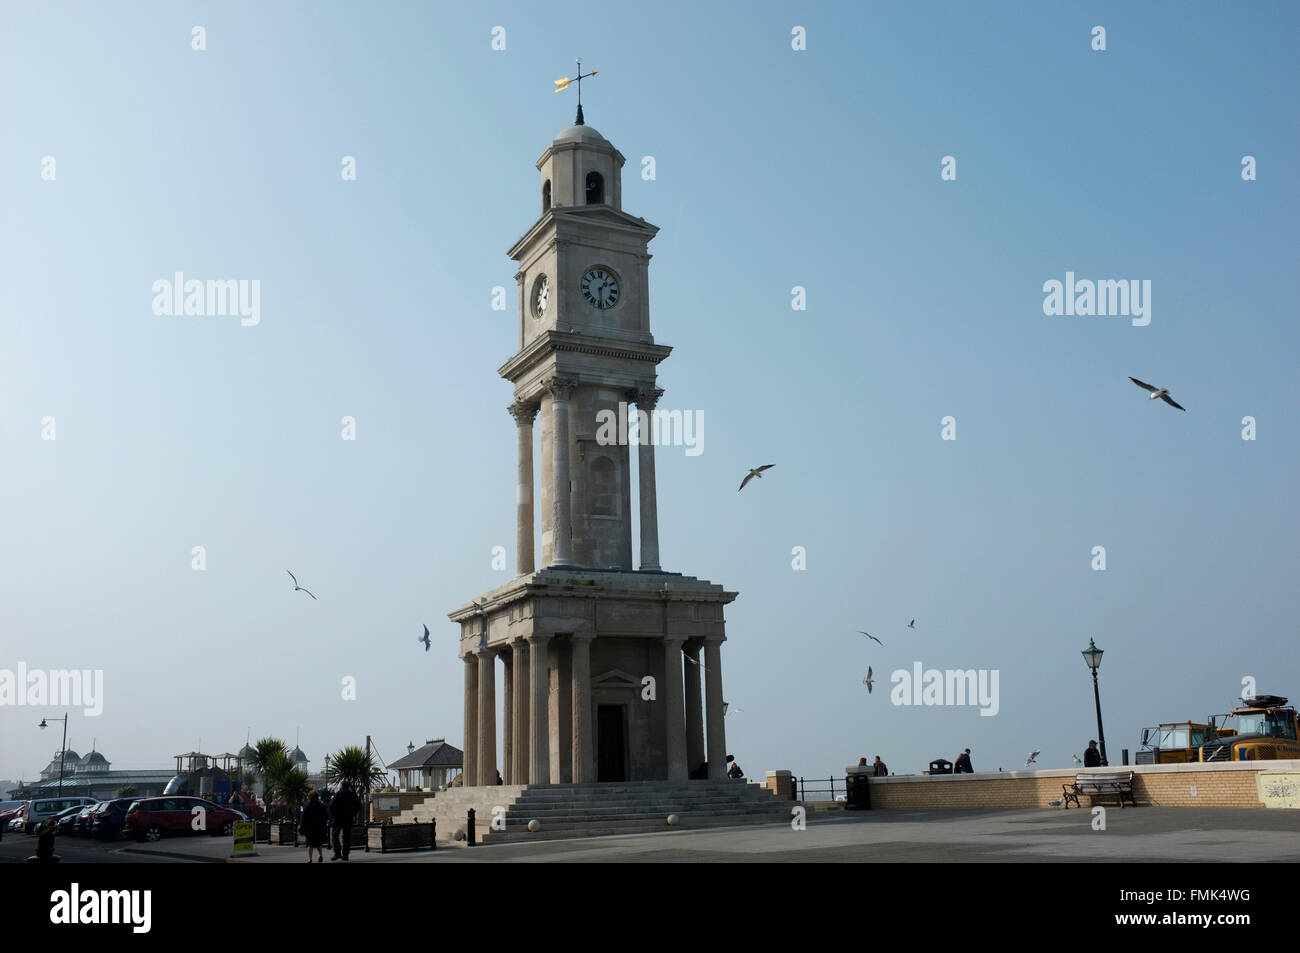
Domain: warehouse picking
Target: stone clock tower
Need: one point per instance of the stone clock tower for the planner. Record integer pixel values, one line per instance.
(611, 669)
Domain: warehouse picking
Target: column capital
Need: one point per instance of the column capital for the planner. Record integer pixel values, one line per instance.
(538, 638)
(646, 396)
(561, 388)
(674, 640)
(582, 636)
(524, 412)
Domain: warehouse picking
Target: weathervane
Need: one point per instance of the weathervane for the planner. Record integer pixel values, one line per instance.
(564, 84)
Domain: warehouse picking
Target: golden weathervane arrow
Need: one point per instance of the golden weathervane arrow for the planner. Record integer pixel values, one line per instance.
(561, 84)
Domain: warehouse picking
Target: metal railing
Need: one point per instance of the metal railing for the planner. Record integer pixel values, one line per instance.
(821, 789)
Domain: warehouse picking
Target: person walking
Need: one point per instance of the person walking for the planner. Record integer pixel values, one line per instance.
(315, 820)
(343, 810)
(963, 763)
(1092, 757)
(882, 770)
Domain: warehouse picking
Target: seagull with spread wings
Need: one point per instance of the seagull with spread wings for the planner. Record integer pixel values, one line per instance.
(425, 639)
(1160, 392)
(756, 472)
(1033, 756)
(870, 636)
(867, 681)
(298, 588)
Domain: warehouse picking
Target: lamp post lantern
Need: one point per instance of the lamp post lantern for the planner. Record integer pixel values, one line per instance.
(1092, 655)
(63, 749)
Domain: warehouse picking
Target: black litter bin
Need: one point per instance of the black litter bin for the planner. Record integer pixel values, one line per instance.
(857, 782)
(941, 767)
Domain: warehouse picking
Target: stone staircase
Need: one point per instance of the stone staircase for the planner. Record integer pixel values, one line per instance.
(585, 810)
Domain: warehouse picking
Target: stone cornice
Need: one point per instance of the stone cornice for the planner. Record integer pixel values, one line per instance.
(583, 216)
(554, 342)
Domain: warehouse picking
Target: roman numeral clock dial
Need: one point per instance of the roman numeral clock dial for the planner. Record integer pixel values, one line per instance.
(600, 288)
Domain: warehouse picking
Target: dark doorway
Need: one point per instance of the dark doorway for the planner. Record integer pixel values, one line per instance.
(610, 734)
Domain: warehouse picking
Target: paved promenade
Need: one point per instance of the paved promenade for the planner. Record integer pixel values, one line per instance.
(1133, 835)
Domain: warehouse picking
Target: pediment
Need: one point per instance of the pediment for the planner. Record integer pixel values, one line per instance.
(602, 214)
(615, 678)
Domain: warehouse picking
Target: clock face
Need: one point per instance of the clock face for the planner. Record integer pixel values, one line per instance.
(541, 296)
(600, 288)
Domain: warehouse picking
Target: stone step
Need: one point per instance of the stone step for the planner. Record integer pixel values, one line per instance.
(615, 810)
(602, 824)
(511, 836)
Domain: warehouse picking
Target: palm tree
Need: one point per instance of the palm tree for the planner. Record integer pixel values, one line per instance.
(353, 764)
(294, 788)
(126, 790)
(264, 755)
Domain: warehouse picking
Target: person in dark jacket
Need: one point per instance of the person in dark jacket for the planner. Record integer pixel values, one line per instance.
(1092, 757)
(343, 810)
(315, 820)
(963, 764)
(882, 770)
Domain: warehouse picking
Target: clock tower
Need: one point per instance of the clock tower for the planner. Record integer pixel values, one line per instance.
(579, 637)
(584, 347)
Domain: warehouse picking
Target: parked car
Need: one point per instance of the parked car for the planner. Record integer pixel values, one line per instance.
(63, 821)
(11, 818)
(41, 808)
(81, 826)
(153, 818)
(107, 818)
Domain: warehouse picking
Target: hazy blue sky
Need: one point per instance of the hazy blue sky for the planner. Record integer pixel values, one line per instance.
(775, 168)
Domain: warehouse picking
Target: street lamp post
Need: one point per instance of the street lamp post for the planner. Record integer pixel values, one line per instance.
(1092, 655)
(63, 749)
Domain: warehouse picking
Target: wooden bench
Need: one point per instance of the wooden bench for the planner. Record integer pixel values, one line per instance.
(1118, 783)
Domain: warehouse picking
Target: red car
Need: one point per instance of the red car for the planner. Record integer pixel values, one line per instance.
(155, 817)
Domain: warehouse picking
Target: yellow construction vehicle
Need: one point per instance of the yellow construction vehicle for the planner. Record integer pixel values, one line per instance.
(1267, 730)
(1179, 742)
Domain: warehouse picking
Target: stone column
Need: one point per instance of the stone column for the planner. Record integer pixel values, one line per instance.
(539, 727)
(524, 414)
(694, 711)
(673, 721)
(562, 485)
(469, 770)
(507, 715)
(713, 703)
(646, 398)
(487, 716)
(520, 769)
(583, 754)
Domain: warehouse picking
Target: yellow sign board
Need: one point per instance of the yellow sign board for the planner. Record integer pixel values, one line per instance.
(244, 844)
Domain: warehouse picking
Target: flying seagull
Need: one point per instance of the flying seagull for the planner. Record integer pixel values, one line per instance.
(912, 624)
(1158, 392)
(867, 681)
(1033, 756)
(870, 636)
(425, 640)
(298, 588)
(1075, 758)
(756, 472)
